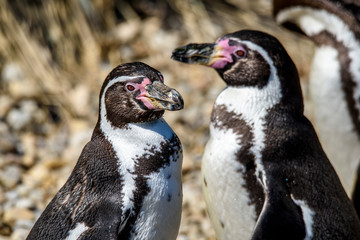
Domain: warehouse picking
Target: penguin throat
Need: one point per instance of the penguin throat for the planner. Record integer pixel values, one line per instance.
(121, 120)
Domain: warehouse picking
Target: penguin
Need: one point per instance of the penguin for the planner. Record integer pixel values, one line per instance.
(127, 181)
(264, 172)
(334, 80)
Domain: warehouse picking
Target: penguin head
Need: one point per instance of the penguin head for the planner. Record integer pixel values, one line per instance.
(134, 93)
(246, 58)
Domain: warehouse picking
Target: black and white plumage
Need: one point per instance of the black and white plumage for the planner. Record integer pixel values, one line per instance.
(127, 181)
(334, 81)
(265, 175)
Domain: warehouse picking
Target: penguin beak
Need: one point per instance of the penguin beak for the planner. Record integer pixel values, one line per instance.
(162, 97)
(204, 54)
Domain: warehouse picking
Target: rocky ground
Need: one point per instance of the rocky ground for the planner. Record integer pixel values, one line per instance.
(53, 58)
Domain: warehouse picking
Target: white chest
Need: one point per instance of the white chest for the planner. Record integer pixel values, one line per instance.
(225, 196)
(159, 216)
(161, 212)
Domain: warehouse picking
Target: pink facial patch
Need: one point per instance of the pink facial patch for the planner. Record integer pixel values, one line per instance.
(223, 53)
(142, 95)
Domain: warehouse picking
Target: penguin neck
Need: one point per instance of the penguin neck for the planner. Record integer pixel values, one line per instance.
(116, 127)
(141, 132)
(253, 103)
(248, 102)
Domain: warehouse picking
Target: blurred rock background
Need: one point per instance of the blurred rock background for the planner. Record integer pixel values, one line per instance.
(54, 56)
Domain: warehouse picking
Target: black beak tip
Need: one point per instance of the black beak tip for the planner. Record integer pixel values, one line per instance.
(179, 103)
(173, 56)
(181, 54)
(177, 107)
(176, 55)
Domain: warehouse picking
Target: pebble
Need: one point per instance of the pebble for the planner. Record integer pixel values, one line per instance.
(5, 104)
(19, 118)
(16, 213)
(58, 141)
(2, 196)
(23, 223)
(182, 237)
(22, 190)
(80, 134)
(10, 176)
(23, 89)
(12, 72)
(25, 203)
(187, 162)
(37, 175)
(126, 52)
(19, 234)
(10, 199)
(5, 238)
(161, 38)
(127, 31)
(8, 141)
(12, 195)
(80, 95)
(37, 195)
(28, 144)
(18, 84)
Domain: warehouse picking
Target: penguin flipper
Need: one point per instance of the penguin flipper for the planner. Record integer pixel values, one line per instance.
(280, 219)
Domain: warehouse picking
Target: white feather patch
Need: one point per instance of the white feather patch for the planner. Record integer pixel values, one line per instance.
(308, 217)
(227, 199)
(75, 233)
(161, 211)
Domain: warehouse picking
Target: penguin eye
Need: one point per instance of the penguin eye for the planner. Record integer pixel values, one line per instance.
(129, 87)
(240, 53)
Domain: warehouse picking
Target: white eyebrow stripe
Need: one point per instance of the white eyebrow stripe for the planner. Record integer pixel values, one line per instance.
(122, 79)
